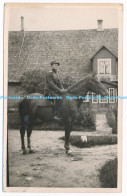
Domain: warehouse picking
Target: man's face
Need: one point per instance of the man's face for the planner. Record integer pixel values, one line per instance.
(55, 67)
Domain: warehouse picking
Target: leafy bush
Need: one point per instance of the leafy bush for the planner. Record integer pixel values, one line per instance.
(33, 81)
(87, 118)
(13, 119)
(111, 116)
(108, 174)
(115, 112)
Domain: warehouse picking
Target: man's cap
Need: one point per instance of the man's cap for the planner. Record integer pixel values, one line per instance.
(54, 62)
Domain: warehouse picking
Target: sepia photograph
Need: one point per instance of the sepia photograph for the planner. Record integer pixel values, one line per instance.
(63, 97)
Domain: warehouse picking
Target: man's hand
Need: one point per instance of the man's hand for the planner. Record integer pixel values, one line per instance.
(63, 90)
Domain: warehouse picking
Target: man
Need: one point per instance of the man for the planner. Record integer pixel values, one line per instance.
(53, 85)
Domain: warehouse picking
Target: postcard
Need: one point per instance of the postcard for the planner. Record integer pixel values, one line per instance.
(63, 97)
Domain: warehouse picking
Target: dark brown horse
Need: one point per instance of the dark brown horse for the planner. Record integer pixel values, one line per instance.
(31, 109)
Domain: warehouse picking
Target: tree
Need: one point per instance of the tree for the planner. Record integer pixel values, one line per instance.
(33, 81)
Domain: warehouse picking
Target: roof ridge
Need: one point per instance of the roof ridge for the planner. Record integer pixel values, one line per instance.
(70, 30)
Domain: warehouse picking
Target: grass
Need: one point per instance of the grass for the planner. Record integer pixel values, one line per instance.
(108, 174)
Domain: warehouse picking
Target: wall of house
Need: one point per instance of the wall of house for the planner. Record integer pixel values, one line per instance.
(104, 54)
(99, 105)
(13, 90)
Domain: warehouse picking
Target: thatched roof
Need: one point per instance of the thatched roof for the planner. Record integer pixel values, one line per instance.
(72, 48)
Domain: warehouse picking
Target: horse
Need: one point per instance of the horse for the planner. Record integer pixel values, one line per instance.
(31, 109)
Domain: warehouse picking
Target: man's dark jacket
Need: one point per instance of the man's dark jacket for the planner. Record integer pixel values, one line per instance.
(52, 84)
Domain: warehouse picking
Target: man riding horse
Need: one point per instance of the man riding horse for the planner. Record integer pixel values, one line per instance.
(53, 86)
(29, 111)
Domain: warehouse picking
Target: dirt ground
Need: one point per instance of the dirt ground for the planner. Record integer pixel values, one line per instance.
(49, 166)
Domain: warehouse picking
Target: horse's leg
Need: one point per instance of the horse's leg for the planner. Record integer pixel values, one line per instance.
(29, 131)
(67, 135)
(22, 133)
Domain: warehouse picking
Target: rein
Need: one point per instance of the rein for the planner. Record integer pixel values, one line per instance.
(78, 87)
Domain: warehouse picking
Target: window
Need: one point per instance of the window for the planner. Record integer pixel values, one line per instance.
(86, 100)
(104, 66)
(102, 100)
(96, 99)
(111, 94)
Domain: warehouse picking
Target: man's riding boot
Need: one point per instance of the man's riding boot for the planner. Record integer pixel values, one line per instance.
(55, 117)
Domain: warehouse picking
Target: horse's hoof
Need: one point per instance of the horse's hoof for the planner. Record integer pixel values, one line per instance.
(24, 152)
(31, 151)
(66, 151)
(69, 152)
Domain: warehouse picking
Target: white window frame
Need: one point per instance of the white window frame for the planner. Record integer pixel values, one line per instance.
(104, 68)
(94, 100)
(116, 95)
(102, 100)
(112, 100)
(86, 100)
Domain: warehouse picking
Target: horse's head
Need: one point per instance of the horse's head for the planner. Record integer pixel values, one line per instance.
(94, 85)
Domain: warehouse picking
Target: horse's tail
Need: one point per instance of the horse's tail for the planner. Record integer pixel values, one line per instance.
(20, 107)
(23, 108)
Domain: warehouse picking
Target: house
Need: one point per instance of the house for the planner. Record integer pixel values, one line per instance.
(105, 66)
(78, 51)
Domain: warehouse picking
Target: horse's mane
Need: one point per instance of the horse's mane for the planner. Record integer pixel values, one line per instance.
(78, 85)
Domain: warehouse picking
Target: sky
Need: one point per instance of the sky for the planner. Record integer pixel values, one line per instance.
(61, 17)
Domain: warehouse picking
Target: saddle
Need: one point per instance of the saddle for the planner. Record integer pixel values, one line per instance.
(49, 104)
(43, 103)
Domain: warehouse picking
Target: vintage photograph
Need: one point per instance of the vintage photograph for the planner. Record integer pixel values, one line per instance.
(62, 97)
